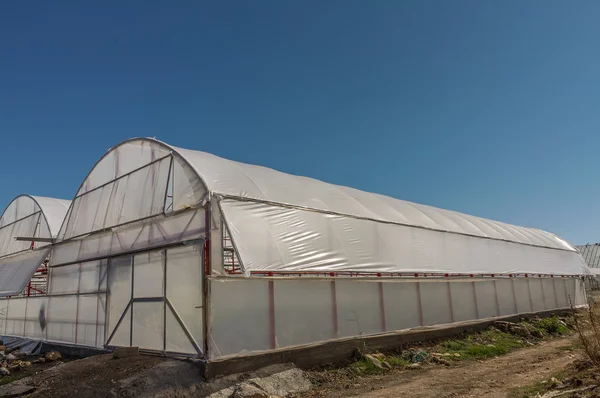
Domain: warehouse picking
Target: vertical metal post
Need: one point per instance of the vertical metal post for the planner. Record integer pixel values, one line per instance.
(543, 292)
(496, 297)
(450, 302)
(334, 311)
(420, 304)
(514, 292)
(382, 307)
(475, 300)
(164, 301)
(530, 298)
(132, 303)
(272, 331)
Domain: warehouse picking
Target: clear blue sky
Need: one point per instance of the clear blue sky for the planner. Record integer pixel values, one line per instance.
(485, 107)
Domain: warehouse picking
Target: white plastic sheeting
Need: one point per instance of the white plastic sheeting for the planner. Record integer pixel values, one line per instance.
(239, 180)
(16, 271)
(274, 238)
(286, 223)
(287, 312)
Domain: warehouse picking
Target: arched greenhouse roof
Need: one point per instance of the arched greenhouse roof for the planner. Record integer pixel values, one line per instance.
(309, 216)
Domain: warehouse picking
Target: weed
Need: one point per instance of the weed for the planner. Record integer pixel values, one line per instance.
(397, 361)
(486, 344)
(587, 324)
(364, 367)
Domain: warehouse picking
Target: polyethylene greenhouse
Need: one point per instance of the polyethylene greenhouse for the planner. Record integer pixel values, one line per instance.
(183, 252)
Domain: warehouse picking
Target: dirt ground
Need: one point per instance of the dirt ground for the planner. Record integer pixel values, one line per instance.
(495, 377)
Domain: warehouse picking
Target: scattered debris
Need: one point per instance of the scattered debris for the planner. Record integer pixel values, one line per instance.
(4, 371)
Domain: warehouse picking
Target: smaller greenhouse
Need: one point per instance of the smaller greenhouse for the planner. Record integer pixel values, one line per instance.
(183, 252)
(28, 227)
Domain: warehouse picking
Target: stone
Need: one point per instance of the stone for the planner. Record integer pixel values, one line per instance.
(2, 347)
(19, 354)
(414, 366)
(246, 390)
(126, 352)
(40, 360)
(537, 333)
(456, 354)
(12, 390)
(10, 357)
(53, 356)
(374, 361)
(4, 372)
(379, 356)
(386, 365)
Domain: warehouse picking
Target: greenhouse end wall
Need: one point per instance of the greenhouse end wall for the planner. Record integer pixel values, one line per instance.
(288, 312)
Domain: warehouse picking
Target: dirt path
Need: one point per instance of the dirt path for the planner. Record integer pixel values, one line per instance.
(491, 378)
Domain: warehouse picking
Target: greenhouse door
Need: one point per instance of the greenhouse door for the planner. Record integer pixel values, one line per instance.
(155, 301)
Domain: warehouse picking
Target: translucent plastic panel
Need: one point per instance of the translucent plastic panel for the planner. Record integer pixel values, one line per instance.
(15, 316)
(33, 328)
(561, 292)
(506, 297)
(177, 340)
(549, 293)
(119, 288)
(87, 320)
(89, 279)
(463, 300)
(188, 189)
(25, 227)
(435, 303)
(290, 240)
(303, 312)
(121, 160)
(485, 292)
(537, 294)
(521, 286)
(136, 196)
(401, 305)
(148, 325)
(187, 225)
(64, 279)
(122, 335)
(148, 274)
(16, 271)
(238, 324)
(359, 311)
(185, 286)
(62, 319)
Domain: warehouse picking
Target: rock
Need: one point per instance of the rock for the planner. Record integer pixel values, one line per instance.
(12, 390)
(286, 383)
(40, 360)
(126, 352)
(19, 354)
(554, 382)
(374, 361)
(456, 354)
(246, 390)
(379, 356)
(53, 356)
(414, 366)
(386, 365)
(10, 357)
(4, 372)
(2, 347)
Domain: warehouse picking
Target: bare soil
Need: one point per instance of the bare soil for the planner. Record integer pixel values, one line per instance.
(496, 377)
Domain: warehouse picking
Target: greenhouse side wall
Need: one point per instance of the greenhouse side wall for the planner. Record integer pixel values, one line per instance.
(289, 312)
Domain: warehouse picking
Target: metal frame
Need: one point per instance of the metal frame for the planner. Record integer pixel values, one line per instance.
(158, 299)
